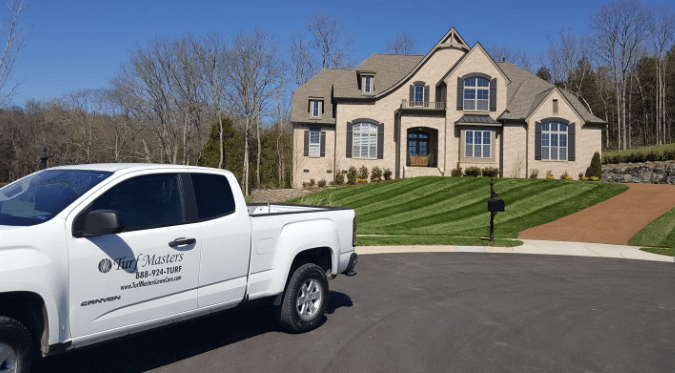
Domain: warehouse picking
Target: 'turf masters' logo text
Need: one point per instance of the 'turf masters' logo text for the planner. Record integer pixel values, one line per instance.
(105, 266)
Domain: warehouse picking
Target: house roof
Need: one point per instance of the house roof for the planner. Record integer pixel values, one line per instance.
(527, 91)
(319, 87)
(388, 70)
(477, 119)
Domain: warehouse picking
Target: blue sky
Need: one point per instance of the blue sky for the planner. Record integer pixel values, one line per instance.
(80, 44)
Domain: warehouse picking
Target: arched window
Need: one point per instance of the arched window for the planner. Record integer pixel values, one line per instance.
(364, 140)
(554, 141)
(476, 93)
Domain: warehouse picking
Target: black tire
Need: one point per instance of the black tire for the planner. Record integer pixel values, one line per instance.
(16, 340)
(302, 318)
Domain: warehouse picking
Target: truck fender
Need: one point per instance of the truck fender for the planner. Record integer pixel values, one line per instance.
(301, 236)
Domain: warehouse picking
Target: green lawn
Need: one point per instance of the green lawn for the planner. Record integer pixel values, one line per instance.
(444, 206)
(433, 240)
(659, 149)
(659, 233)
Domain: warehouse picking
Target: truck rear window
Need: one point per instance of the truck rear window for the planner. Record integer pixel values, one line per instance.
(41, 196)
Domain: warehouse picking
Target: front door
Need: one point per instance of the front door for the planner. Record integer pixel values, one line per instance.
(140, 274)
(418, 146)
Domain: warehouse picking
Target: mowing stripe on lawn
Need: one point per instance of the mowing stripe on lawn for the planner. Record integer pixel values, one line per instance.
(658, 233)
(351, 194)
(370, 198)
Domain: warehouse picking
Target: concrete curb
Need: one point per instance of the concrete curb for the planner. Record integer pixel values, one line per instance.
(540, 247)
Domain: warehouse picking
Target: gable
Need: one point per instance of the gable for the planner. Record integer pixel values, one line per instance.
(477, 60)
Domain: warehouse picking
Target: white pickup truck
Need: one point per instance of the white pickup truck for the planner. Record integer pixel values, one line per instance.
(93, 252)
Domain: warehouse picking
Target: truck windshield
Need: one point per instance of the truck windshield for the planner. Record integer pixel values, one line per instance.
(41, 196)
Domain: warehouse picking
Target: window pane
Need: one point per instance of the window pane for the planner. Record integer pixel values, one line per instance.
(315, 104)
(486, 151)
(563, 154)
(419, 93)
(367, 84)
(544, 152)
(314, 150)
(477, 135)
(486, 137)
(364, 151)
(554, 126)
(356, 127)
(563, 127)
(554, 153)
(145, 202)
(476, 151)
(469, 137)
(544, 127)
(544, 139)
(482, 94)
(554, 139)
(469, 150)
(482, 105)
(214, 195)
(469, 94)
(563, 140)
(482, 82)
(356, 153)
(469, 105)
(423, 149)
(471, 82)
(412, 148)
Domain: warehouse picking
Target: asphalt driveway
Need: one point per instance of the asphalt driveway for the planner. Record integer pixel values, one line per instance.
(434, 312)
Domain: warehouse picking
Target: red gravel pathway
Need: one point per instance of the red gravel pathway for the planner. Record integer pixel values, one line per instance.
(613, 221)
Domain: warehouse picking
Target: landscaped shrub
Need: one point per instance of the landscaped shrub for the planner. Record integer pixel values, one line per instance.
(362, 181)
(472, 172)
(312, 182)
(595, 178)
(351, 175)
(387, 174)
(534, 173)
(363, 172)
(457, 172)
(596, 166)
(669, 155)
(322, 183)
(374, 179)
(581, 175)
(584, 178)
(490, 172)
(652, 156)
(305, 184)
(339, 178)
(549, 175)
(376, 173)
(564, 175)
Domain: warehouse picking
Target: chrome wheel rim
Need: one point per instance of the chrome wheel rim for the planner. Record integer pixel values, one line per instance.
(7, 359)
(309, 299)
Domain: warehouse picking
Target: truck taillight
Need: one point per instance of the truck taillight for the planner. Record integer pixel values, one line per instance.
(354, 234)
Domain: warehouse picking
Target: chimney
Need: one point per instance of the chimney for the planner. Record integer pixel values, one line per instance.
(503, 59)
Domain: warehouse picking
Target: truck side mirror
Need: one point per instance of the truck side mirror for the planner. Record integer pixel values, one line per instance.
(100, 222)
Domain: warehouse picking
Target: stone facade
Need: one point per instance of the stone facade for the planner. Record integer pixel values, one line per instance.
(518, 100)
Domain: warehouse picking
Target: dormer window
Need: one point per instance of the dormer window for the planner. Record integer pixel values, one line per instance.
(315, 108)
(367, 84)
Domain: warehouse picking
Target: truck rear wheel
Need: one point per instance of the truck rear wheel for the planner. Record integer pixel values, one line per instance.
(305, 299)
(16, 348)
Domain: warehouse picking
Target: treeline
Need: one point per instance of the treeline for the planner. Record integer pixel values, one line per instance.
(624, 72)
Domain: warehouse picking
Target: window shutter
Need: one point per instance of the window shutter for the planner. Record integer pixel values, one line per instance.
(493, 94)
(460, 94)
(349, 140)
(322, 105)
(537, 141)
(426, 94)
(309, 106)
(380, 141)
(306, 143)
(323, 144)
(571, 143)
(412, 93)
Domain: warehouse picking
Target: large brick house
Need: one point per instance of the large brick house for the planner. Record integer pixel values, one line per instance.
(426, 115)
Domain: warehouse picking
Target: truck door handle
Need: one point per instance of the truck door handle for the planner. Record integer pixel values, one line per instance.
(182, 241)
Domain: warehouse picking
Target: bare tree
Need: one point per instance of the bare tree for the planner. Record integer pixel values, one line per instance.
(302, 58)
(569, 56)
(330, 40)
(661, 27)
(519, 58)
(14, 41)
(402, 44)
(619, 27)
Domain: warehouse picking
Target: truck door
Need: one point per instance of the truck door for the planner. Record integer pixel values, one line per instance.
(226, 240)
(148, 271)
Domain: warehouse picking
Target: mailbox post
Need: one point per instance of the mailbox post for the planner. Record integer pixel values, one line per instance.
(494, 206)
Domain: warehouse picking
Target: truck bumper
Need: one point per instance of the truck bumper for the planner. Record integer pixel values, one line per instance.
(352, 264)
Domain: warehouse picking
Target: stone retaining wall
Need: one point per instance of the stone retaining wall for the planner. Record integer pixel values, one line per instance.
(643, 173)
(276, 195)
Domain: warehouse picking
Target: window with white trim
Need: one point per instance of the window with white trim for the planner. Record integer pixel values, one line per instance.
(419, 93)
(364, 140)
(476, 93)
(477, 144)
(554, 141)
(367, 84)
(315, 108)
(314, 143)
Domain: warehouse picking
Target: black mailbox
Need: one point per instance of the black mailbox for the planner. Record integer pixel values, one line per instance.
(495, 205)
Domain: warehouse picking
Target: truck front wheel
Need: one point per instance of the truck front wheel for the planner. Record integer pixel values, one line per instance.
(16, 349)
(305, 299)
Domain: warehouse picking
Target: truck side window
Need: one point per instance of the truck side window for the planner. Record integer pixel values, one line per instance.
(145, 202)
(213, 194)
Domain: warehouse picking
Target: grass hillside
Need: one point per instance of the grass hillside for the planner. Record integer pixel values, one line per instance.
(658, 234)
(664, 152)
(443, 206)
